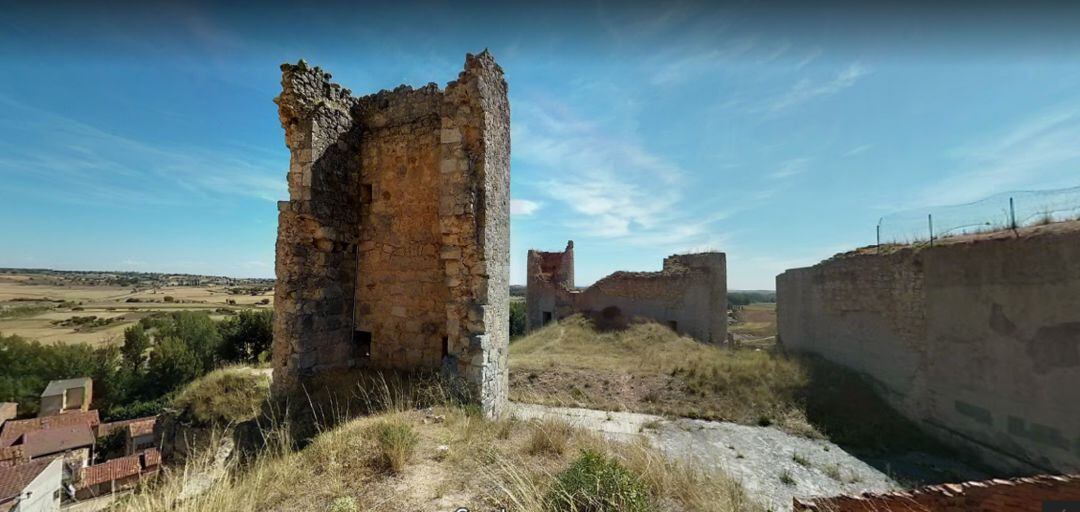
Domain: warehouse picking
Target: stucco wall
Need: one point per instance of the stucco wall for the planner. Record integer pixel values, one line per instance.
(978, 341)
(42, 490)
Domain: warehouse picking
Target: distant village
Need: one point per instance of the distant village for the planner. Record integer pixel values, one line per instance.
(66, 454)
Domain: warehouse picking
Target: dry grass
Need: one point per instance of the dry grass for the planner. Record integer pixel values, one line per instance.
(223, 397)
(395, 443)
(649, 368)
(459, 459)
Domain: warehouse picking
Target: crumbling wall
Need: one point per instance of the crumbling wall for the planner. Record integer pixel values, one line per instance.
(393, 250)
(977, 341)
(689, 294)
(1028, 494)
(550, 291)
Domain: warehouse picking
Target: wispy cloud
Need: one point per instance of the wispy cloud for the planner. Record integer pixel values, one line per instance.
(1040, 151)
(615, 188)
(524, 207)
(72, 161)
(789, 168)
(858, 150)
(806, 90)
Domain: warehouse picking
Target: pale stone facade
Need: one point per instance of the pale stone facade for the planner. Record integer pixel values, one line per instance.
(689, 294)
(978, 341)
(393, 250)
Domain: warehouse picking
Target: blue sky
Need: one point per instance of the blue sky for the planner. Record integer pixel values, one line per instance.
(144, 137)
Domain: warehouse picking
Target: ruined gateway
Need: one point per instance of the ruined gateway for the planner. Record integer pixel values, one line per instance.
(689, 295)
(393, 248)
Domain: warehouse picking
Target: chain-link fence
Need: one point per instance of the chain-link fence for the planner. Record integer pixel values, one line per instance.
(1009, 210)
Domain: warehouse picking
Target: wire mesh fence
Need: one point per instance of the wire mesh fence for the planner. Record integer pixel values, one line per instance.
(1009, 210)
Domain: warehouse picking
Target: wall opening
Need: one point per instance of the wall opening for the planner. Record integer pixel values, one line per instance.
(547, 318)
(445, 347)
(673, 325)
(362, 344)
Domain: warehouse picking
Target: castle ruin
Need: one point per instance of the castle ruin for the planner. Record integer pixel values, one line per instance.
(689, 294)
(393, 248)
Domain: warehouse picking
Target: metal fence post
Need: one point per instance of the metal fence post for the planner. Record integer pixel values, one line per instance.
(930, 220)
(1012, 215)
(879, 235)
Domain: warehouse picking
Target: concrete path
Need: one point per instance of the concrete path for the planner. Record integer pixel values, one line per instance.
(773, 466)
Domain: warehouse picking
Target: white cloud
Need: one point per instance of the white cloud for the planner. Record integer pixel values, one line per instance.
(524, 207)
(76, 162)
(790, 168)
(806, 90)
(1040, 152)
(858, 150)
(615, 187)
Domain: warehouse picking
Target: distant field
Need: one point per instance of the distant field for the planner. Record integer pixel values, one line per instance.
(755, 323)
(46, 307)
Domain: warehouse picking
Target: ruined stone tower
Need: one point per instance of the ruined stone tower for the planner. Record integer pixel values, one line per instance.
(393, 249)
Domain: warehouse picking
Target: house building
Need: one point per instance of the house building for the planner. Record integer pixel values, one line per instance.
(68, 395)
(31, 487)
(138, 433)
(117, 474)
(13, 430)
(8, 411)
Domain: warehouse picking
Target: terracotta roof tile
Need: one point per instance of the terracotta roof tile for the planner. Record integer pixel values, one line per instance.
(56, 440)
(14, 479)
(142, 427)
(15, 429)
(117, 469)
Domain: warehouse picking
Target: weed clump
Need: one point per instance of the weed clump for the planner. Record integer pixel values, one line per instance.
(595, 483)
(395, 442)
(548, 438)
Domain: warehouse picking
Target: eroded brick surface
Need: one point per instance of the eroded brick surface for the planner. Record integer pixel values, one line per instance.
(397, 228)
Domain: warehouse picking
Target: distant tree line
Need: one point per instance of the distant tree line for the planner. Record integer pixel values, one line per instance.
(159, 355)
(742, 298)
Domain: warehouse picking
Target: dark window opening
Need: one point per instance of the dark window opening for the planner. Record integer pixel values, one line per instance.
(445, 347)
(362, 344)
(547, 318)
(674, 325)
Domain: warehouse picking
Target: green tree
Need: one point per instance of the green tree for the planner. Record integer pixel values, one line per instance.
(136, 341)
(517, 318)
(172, 364)
(247, 335)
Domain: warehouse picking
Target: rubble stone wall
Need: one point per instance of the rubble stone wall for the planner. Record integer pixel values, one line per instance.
(393, 250)
(979, 341)
(689, 293)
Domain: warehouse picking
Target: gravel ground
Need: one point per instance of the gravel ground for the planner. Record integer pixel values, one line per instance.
(773, 466)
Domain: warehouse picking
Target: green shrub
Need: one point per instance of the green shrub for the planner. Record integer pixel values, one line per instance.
(394, 442)
(517, 318)
(595, 483)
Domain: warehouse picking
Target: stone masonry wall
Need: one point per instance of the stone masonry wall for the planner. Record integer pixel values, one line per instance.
(393, 250)
(689, 294)
(977, 341)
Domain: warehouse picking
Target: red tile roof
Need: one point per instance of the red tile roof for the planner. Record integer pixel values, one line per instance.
(14, 479)
(108, 428)
(57, 440)
(141, 427)
(119, 468)
(12, 430)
